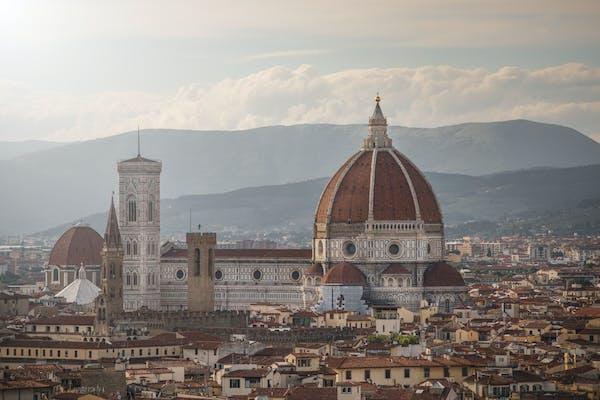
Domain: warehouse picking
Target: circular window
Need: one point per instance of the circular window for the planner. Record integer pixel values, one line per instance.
(394, 249)
(218, 274)
(179, 274)
(295, 275)
(257, 275)
(349, 248)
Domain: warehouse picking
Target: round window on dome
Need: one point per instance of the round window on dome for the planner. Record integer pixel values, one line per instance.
(257, 275)
(179, 274)
(349, 249)
(295, 275)
(218, 274)
(394, 249)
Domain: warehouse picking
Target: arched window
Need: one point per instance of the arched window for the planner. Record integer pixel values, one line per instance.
(128, 248)
(135, 279)
(447, 305)
(112, 270)
(131, 209)
(197, 262)
(55, 274)
(148, 279)
(211, 262)
(135, 249)
(153, 279)
(151, 209)
(128, 279)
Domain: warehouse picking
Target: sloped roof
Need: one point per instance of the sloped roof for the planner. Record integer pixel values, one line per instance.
(81, 291)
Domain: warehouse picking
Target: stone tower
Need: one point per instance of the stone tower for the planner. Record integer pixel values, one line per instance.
(110, 301)
(201, 263)
(139, 217)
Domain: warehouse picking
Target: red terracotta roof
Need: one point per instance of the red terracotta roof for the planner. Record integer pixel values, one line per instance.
(442, 274)
(344, 274)
(79, 244)
(246, 253)
(315, 269)
(346, 196)
(396, 269)
(351, 200)
(392, 199)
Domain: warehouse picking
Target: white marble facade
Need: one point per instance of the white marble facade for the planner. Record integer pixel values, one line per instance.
(139, 220)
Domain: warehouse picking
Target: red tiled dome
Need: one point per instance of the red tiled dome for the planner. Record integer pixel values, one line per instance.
(399, 192)
(442, 274)
(396, 269)
(315, 269)
(344, 274)
(79, 244)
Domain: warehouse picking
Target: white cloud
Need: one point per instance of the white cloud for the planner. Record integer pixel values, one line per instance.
(426, 96)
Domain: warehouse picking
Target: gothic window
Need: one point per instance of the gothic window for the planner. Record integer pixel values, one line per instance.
(135, 248)
(197, 262)
(151, 209)
(128, 248)
(447, 305)
(211, 262)
(112, 270)
(131, 209)
(55, 274)
(135, 279)
(128, 279)
(153, 281)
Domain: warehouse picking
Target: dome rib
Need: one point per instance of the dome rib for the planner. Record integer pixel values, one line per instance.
(393, 195)
(326, 201)
(428, 205)
(351, 200)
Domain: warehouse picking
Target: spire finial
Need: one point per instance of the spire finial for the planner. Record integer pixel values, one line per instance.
(139, 152)
(377, 98)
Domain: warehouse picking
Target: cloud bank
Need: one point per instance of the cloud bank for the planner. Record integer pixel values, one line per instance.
(422, 97)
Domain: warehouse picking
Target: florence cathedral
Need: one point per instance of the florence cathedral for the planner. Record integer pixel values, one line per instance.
(378, 242)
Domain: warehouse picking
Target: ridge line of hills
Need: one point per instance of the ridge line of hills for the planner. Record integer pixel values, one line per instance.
(46, 187)
(564, 200)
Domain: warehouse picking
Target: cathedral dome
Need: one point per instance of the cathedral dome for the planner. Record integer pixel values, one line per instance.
(78, 245)
(344, 274)
(442, 274)
(378, 183)
(315, 269)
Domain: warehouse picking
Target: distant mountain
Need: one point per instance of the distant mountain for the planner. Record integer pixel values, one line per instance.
(482, 204)
(10, 150)
(46, 188)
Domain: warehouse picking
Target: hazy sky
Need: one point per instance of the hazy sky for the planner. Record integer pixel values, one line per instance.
(76, 70)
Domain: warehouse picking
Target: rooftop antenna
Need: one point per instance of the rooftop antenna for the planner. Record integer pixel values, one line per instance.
(190, 221)
(139, 153)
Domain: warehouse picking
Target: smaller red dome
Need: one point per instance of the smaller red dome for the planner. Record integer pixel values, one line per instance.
(344, 274)
(315, 269)
(78, 245)
(442, 274)
(396, 269)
